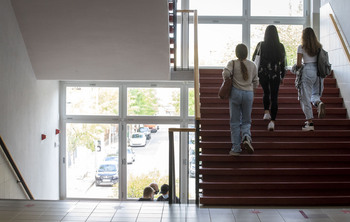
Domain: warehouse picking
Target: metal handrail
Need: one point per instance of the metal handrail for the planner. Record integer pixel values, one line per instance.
(196, 61)
(15, 169)
(172, 189)
(337, 29)
(197, 116)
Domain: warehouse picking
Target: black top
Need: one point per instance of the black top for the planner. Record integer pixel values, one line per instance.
(268, 64)
(161, 198)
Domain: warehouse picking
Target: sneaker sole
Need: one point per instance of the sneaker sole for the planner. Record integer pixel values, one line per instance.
(247, 146)
(322, 112)
(306, 130)
(231, 153)
(268, 118)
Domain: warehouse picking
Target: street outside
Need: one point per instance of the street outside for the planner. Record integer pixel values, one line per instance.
(153, 156)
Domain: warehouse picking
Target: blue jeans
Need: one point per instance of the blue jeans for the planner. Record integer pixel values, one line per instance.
(241, 103)
(311, 89)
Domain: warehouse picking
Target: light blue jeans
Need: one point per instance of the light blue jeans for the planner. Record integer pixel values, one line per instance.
(311, 89)
(241, 103)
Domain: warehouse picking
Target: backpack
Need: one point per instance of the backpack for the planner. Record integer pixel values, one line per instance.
(324, 68)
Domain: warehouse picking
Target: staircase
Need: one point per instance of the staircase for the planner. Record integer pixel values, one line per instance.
(289, 166)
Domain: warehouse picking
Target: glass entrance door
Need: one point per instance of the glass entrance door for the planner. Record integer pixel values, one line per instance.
(92, 160)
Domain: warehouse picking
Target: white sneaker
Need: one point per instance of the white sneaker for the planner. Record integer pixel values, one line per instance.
(233, 153)
(267, 116)
(308, 127)
(271, 126)
(321, 110)
(248, 146)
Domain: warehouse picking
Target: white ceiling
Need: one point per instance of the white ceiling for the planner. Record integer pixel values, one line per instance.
(96, 39)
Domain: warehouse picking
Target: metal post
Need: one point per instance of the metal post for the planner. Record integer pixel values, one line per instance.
(171, 168)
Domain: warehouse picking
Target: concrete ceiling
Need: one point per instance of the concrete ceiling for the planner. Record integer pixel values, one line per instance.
(95, 39)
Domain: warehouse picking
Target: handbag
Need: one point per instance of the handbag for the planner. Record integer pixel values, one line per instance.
(257, 57)
(226, 86)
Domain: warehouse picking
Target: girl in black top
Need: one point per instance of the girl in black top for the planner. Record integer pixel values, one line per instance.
(271, 72)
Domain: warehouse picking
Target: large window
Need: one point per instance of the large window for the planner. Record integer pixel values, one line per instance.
(92, 160)
(116, 136)
(290, 36)
(153, 102)
(92, 101)
(277, 7)
(217, 43)
(151, 153)
(225, 23)
(218, 7)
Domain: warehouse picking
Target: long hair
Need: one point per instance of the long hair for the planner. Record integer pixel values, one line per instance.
(309, 42)
(272, 45)
(242, 53)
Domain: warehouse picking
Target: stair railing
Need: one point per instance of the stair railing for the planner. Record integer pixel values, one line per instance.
(340, 35)
(15, 170)
(197, 106)
(172, 180)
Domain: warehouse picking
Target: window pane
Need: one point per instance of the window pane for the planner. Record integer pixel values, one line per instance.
(92, 160)
(151, 153)
(217, 49)
(277, 7)
(191, 164)
(218, 7)
(290, 36)
(153, 102)
(92, 101)
(191, 105)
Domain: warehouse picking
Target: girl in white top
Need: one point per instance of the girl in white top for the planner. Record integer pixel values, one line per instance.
(311, 84)
(245, 79)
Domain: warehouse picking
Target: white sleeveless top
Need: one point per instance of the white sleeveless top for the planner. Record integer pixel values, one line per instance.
(306, 57)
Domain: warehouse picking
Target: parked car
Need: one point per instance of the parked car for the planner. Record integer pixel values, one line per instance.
(130, 155)
(146, 131)
(138, 139)
(107, 173)
(112, 157)
(154, 128)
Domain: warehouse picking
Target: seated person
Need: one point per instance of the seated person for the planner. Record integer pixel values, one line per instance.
(164, 190)
(148, 193)
(155, 188)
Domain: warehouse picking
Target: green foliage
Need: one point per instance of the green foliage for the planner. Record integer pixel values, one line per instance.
(175, 101)
(142, 102)
(84, 135)
(108, 100)
(289, 35)
(136, 184)
(191, 105)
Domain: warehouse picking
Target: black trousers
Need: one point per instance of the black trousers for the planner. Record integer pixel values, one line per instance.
(270, 83)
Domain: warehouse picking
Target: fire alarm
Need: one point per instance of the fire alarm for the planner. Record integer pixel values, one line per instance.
(57, 131)
(43, 136)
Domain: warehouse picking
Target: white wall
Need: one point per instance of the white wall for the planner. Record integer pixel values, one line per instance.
(28, 108)
(9, 188)
(332, 44)
(96, 39)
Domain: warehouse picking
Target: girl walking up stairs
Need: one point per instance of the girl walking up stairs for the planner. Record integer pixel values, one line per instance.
(289, 166)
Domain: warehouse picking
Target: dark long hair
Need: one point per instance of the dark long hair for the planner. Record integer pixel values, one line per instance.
(309, 42)
(242, 53)
(272, 45)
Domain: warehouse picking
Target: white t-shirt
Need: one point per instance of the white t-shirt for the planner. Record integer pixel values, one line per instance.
(306, 57)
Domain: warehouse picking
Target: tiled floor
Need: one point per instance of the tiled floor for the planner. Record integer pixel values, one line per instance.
(30, 211)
